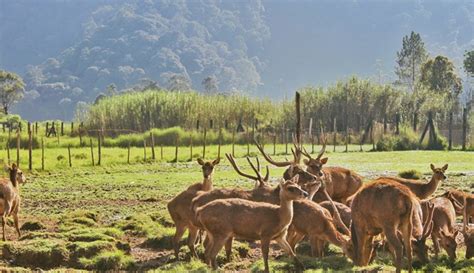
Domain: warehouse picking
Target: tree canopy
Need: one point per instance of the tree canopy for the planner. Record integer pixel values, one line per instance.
(12, 89)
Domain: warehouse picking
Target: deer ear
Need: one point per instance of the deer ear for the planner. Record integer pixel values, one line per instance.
(295, 179)
(445, 167)
(432, 167)
(215, 162)
(324, 160)
(200, 161)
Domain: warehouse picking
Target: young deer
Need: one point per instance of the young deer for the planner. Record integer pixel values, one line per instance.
(10, 196)
(457, 199)
(444, 233)
(424, 211)
(180, 207)
(423, 190)
(340, 183)
(383, 206)
(226, 218)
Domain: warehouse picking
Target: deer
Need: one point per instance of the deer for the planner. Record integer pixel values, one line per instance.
(294, 167)
(340, 183)
(444, 232)
(457, 199)
(263, 192)
(468, 234)
(225, 218)
(423, 190)
(10, 195)
(180, 207)
(383, 206)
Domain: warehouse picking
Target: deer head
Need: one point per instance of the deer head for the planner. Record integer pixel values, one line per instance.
(468, 234)
(290, 190)
(315, 165)
(208, 166)
(16, 175)
(448, 242)
(419, 244)
(261, 181)
(438, 173)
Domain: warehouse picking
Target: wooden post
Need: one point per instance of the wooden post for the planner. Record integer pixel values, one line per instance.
(248, 141)
(80, 134)
(128, 153)
(18, 143)
(274, 144)
(69, 154)
(348, 136)
(42, 154)
(99, 147)
(335, 134)
(92, 152)
(58, 137)
(204, 144)
(312, 144)
(161, 151)
(450, 131)
(219, 144)
(36, 128)
(176, 150)
(144, 149)
(397, 124)
(190, 147)
(233, 143)
(464, 128)
(286, 142)
(8, 145)
(372, 134)
(62, 128)
(72, 128)
(47, 129)
(30, 143)
(152, 146)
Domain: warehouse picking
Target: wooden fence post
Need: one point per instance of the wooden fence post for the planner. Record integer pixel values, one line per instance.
(161, 151)
(99, 148)
(274, 143)
(30, 143)
(286, 141)
(72, 128)
(204, 144)
(152, 146)
(450, 131)
(46, 129)
(190, 147)
(69, 154)
(92, 152)
(36, 128)
(62, 128)
(128, 153)
(335, 134)
(176, 150)
(219, 144)
(18, 143)
(8, 146)
(144, 149)
(464, 128)
(80, 135)
(42, 154)
(233, 143)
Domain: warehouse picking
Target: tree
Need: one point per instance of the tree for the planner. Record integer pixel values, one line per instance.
(409, 60)
(469, 62)
(12, 89)
(210, 84)
(178, 82)
(439, 75)
(111, 90)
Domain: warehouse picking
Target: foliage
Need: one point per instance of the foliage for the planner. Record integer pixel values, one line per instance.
(409, 59)
(12, 89)
(439, 76)
(469, 62)
(410, 174)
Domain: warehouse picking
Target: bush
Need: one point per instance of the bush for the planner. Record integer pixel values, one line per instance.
(410, 174)
(440, 143)
(384, 144)
(406, 140)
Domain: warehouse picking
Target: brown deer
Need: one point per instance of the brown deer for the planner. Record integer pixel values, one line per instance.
(444, 233)
(468, 234)
(225, 218)
(340, 183)
(316, 223)
(457, 199)
(468, 209)
(383, 206)
(424, 211)
(423, 190)
(294, 167)
(10, 195)
(180, 207)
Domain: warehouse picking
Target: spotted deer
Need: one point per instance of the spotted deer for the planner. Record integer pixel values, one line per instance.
(180, 207)
(225, 218)
(10, 196)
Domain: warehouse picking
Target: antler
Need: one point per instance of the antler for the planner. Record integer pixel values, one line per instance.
(269, 159)
(321, 152)
(256, 178)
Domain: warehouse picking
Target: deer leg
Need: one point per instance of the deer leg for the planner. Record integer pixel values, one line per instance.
(228, 248)
(435, 239)
(316, 247)
(217, 243)
(180, 229)
(286, 246)
(207, 248)
(3, 227)
(395, 243)
(193, 232)
(265, 248)
(17, 225)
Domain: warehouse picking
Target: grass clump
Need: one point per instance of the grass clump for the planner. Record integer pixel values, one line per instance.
(139, 224)
(160, 239)
(410, 174)
(43, 253)
(109, 260)
(194, 265)
(77, 219)
(32, 226)
(88, 235)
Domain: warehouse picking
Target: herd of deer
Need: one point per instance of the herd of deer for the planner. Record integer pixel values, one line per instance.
(324, 205)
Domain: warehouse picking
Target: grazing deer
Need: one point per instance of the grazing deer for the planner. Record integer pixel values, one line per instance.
(180, 207)
(444, 233)
(383, 206)
(340, 183)
(10, 195)
(423, 214)
(316, 223)
(226, 218)
(468, 208)
(423, 190)
(468, 234)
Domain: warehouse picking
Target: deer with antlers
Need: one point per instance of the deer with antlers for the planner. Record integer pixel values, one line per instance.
(180, 207)
(10, 196)
(423, 190)
(295, 167)
(383, 206)
(225, 218)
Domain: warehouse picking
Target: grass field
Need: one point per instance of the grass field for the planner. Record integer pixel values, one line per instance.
(114, 216)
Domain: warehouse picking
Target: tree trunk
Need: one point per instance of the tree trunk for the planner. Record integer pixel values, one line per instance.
(450, 133)
(5, 109)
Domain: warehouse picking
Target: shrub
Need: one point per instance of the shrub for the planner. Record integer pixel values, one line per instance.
(384, 144)
(406, 140)
(410, 174)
